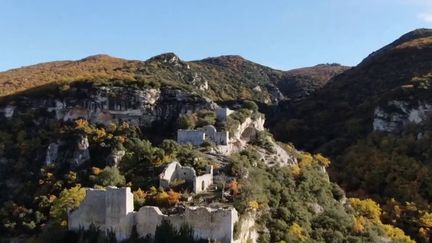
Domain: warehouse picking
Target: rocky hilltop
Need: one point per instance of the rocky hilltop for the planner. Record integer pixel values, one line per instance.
(220, 78)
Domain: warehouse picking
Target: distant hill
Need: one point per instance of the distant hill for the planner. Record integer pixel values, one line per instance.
(220, 78)
(349, 99)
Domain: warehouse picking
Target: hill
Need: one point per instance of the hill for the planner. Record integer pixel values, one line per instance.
(373, 120)
(220, 78)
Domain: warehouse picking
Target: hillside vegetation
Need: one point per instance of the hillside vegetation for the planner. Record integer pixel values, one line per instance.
(221, 78)
(393, 168)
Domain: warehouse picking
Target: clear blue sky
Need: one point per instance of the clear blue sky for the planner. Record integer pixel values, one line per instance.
(282, 34)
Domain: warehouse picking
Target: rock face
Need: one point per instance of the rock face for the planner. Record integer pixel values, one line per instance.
(396, 114)
(115, 157)
(81, 153)
(104, 105)
(52, 153)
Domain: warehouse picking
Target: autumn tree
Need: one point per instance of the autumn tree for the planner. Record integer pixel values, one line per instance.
(69, 199)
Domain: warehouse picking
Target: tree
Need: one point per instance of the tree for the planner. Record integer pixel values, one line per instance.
(296, 232)
(165, 232)
(186, 121)
(110, 176)
(69, 199)
(323, 161)
(248, 104)
(367, 208)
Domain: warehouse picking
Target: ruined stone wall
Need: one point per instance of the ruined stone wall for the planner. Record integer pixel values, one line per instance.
(175, 171)
(91, 211)
(197, 137)
(207, 223)
(109, 210)
(223, 113)
(194, 137)
(112, 210)
(201, 183)
(221, 138)
(119, 206)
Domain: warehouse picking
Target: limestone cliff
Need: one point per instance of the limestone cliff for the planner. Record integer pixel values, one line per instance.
(106, 104)
(395, 114)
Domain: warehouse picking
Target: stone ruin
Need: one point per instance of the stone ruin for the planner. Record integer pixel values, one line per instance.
(200, 135)
(111, 210)
(175, 171)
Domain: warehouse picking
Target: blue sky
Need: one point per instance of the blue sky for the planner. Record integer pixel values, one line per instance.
(282, 34)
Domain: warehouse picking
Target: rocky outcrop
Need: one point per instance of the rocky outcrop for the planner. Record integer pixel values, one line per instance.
(115, 157)
(395, 114)
(81, 153)
(105, 105)
(52, 153)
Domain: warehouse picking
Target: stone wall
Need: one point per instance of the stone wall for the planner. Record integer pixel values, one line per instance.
(219, 138)
(197, 137)
(194, 137)
(112, 210)
(207, 223)
(201, 183)
(223, 113)
(175, 171)
(91, 211)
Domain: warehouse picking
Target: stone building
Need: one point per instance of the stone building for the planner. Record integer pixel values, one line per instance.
(111, 210)
(200, 135)
(209, 132)
(175, 171)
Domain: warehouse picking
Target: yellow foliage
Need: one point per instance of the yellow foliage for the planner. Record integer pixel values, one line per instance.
(253, 204)
(120, 139)
(100, 134)
(396, 234)
(124, 126)
(112, 127)
(297, 231)
(139, 194)
(71, 177)
(68, 199)
(367, 208)
(52, 198)
(81, 123)
(153, 191)
(162, 197)
(424, 233)
(306, 160)
(295, 171)
(173, 197)
(359, 224)
(322, 160)
(96, 170)
(426, 220)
